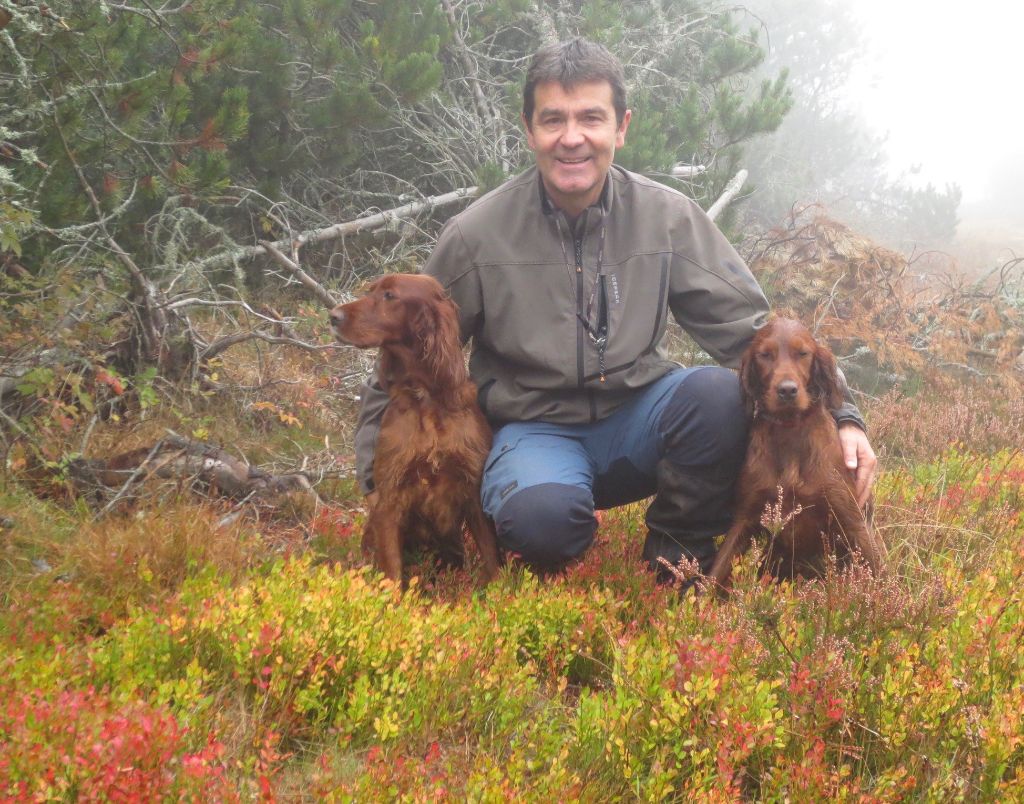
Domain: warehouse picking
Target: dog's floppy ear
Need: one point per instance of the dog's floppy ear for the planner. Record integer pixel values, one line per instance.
(824, 378)
(751, 386)
(435, 325)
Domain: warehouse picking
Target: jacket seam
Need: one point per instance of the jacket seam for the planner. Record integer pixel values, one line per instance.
(700, 266)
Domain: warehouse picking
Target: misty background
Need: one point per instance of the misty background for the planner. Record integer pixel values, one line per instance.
(178, 164)
(918, 93)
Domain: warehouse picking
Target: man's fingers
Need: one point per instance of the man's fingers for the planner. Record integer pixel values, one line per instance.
(860, 459)
(865, 475)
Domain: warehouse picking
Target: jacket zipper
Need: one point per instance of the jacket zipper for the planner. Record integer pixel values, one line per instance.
(577, 245)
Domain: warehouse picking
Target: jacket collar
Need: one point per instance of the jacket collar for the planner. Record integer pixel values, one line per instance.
(604, 201)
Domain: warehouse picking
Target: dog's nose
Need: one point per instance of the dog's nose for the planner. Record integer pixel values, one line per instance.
(337, 316)
(787, 390)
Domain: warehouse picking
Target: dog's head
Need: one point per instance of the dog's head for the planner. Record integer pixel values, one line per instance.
(786, 372)
(404, 310)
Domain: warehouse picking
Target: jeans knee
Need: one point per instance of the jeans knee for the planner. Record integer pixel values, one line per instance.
(547, 525)
(705, 421)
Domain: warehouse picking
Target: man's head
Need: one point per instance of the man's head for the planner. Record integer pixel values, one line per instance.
(574, 111)
(576, 61)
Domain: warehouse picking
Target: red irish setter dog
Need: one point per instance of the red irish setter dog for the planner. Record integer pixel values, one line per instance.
(789, 384)
(433, 438)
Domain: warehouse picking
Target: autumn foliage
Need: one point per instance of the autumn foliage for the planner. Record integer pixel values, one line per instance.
(187, 646)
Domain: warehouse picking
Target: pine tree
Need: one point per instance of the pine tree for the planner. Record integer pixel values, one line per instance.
(139, 139)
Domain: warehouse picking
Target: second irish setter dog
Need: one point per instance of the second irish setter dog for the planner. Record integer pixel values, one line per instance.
(794, 485)
(433, 438)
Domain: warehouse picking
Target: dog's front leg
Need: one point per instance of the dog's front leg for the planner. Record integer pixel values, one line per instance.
(853, 525)
(482, 530)
(384, 533)
(736, 543)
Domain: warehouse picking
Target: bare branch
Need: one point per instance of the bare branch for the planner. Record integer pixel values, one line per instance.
(228, 341)
(338, 230)
(317, 289)
(731, 189)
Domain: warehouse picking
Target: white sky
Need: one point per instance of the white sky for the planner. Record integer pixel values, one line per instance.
(946, 81)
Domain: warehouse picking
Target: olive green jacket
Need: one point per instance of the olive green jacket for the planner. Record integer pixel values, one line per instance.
(530, 296)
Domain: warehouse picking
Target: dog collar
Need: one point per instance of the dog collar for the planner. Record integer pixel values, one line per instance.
(781, 421)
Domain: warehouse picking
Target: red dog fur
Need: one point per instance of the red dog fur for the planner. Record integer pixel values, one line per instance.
(433, 439)
(789, 384)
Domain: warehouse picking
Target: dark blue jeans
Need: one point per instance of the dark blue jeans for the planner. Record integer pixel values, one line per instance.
(543, 482)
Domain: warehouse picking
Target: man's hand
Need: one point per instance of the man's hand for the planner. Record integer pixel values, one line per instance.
(859, 459)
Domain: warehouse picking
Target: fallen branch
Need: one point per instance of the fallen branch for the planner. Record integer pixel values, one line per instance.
(337, 230)
(731, 189)
(318, 290)
(183, 460)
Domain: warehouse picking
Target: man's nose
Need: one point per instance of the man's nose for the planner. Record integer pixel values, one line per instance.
(572, 135)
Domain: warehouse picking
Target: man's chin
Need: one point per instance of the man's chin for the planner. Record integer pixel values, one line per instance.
(572, 188)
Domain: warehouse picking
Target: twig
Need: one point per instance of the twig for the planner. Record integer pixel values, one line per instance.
(131, 479)
(318, 290)
(228, 341)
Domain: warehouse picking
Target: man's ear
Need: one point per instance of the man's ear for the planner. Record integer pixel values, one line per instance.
(528, 129)
(620, 135)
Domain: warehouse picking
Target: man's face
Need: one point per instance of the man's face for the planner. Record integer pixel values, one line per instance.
(573, 136)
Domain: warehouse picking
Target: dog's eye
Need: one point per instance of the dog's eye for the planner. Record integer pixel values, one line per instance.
(803, 354)
(764, 355)
(388, 295)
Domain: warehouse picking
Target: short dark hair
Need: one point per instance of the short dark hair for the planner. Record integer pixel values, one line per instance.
(574, 62)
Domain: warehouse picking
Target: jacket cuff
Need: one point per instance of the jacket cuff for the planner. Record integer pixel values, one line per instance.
(847, 412)
(371, 411)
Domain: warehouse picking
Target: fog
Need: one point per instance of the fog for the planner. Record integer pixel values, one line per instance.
(943, 82)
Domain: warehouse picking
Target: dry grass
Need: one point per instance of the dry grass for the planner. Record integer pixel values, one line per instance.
(148, 554)
(922, 426)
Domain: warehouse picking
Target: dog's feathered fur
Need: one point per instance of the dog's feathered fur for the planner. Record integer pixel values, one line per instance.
(789, 383)
(433, 438)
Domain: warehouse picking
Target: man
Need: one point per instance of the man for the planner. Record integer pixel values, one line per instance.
(564, 277)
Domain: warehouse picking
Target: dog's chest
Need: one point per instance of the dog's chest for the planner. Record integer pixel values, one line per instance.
(426, 449)
(794, 505)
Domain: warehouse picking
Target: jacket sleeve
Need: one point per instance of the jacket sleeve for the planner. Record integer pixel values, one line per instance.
(449, 263)
(716, 299)
(374, 401)
(847, 412)
(712, 293)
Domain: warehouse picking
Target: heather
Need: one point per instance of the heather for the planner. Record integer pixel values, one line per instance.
(290, 670)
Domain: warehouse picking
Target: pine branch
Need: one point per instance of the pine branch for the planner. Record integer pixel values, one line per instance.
(484, 107)
(154, 320)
